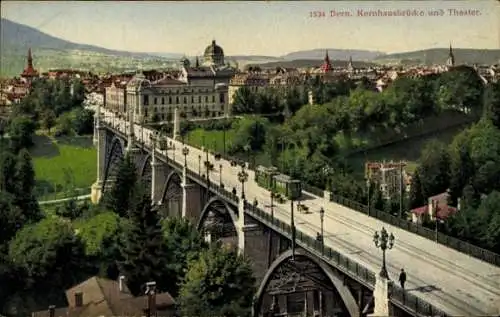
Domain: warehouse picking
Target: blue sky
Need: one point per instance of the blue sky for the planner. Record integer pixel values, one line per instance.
(259, 28)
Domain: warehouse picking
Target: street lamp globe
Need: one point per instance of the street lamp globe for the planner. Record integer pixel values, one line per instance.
(185, 151)
(391, 241)
(376, 239)
(242, 176)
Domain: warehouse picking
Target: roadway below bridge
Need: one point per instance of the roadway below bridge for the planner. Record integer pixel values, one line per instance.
(452, 281)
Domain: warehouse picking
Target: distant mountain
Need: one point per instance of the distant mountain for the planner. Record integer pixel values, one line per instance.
(20, 37)
(254, 57)
(334, 54)
(308, 63)
(172, 56)
(52, 52)
(439, 56)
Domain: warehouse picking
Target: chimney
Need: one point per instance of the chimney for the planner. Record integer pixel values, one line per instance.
(78, 299)
(120, 282)
(151, 292)
(52, 311)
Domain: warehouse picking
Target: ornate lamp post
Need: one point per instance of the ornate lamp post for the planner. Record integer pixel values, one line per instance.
(322, 218)
(199, 165)
(152, 140)
(242, 177)
(185, 152)
(385, 242)
(220, 175)
(272, 205)
(217, 157)
(368, 202)
(207, 162)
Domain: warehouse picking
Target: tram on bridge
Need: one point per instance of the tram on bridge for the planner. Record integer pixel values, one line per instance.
(270, 179)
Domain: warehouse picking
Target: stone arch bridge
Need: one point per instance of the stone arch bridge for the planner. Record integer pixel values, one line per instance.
(294, 278)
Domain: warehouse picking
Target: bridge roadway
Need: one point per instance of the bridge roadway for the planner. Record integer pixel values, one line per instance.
(456, 283)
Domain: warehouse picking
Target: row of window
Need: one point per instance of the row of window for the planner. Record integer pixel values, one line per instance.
(194, 113)
(189, 109)
(170, 100)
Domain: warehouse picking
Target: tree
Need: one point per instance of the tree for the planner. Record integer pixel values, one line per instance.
(119, 199)
(11, 219)
(24, 197)
(48, 119)
(416, 197)
(63, 100)
(69, 209)
(21, 130)
(78, 95)
(101, 236)
(243, 101)
(183, 243)
(461, 165)
(461, 88)
(47, 251)
(434, 169)
(8, 181)
(492, 103)
(143, 253)
(218, 283)
(488, 221)
(3, 126)
(250, 131)
(83, 122)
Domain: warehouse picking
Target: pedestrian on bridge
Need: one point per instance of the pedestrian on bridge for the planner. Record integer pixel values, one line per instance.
(402, 278)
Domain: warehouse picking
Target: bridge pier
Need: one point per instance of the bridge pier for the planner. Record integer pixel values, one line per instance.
(381, 296)
(158, 172)
(255, 248)
(96, 189)
(191, 199)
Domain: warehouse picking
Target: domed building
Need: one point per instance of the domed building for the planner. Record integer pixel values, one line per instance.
(214, 55)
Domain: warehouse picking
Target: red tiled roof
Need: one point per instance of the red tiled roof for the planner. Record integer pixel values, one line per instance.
(420, 210)
(102, 297)
(443, 212)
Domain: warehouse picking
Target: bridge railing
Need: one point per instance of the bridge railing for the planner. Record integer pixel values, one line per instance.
(422, 231)
(348, 266)
(454, 243)
(408, 300)
(399, 296)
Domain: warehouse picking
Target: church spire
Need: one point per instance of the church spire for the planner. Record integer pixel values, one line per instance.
(30, 59)
(451, 58)
(327, 66)
(350, 66)
(197, 62)
(29, 71)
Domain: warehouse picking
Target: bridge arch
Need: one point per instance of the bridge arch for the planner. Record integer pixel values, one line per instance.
(144, 166)
(172, 177)
(223, 212)
(113, 158)
(348, 299)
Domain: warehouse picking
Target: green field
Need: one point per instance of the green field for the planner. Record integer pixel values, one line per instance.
(214, 140)
(405, 150)
(63, 166)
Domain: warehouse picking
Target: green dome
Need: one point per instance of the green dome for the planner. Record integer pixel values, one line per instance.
(213, 50)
